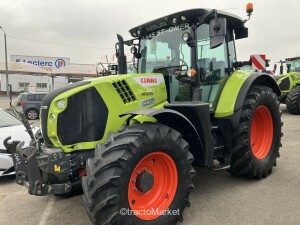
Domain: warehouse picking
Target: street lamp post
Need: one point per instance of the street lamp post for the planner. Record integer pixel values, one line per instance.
(6, 66)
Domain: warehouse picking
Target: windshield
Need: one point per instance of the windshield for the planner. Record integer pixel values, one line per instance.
(166, 52)
(7, 120)
(294, 66)
(165, 48)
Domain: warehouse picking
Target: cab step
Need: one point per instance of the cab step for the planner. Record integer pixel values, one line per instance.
(220, 167)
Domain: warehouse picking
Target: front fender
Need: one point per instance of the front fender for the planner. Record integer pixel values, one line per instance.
(180, 123)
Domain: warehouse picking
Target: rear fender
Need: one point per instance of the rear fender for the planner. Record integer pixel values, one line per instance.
(235, 91)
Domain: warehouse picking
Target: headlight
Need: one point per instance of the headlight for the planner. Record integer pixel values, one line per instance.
(61, 104)
(183, 18)
(52, 117)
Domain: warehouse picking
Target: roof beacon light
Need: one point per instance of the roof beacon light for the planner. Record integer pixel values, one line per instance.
(249, 8)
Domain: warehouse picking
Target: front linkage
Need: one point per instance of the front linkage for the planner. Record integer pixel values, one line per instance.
(35, 169)
(42, 170)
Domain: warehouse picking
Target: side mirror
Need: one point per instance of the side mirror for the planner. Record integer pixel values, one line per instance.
(275, 68)
(217, 32)
(288, 68)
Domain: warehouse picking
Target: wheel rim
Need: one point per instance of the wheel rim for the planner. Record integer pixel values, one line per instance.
(32, 114)
(162, 168)
(261, 132)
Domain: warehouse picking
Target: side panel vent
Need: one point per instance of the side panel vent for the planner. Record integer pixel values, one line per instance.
(124, 91)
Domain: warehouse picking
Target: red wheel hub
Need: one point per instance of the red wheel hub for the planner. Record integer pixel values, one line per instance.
(261, 132)
(152, 185)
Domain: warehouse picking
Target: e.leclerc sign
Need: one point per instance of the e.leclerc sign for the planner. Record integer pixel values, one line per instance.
(48, 63)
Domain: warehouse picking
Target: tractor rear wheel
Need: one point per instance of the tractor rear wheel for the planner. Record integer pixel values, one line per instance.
(257, 141)
(293, 101)
(141, 175)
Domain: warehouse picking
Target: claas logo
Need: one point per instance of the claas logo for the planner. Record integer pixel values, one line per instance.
(57, 168)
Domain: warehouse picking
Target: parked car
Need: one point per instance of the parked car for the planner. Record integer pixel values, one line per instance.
(10, 126)
(31, 103)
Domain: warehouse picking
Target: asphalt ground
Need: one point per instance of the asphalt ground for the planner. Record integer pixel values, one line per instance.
(219, 198)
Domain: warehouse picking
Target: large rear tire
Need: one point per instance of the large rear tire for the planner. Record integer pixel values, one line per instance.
(143, 167)
(257, 141)
(293, 101)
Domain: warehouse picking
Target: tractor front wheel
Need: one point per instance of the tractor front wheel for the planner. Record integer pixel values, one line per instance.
(257, 141)
(141, 175)
(293, 101)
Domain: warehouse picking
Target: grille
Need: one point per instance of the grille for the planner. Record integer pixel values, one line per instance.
(124, 91)
(47, 102)
(84, 119)
(285, 84)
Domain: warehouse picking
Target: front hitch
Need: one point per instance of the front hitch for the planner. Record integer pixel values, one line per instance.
(42, 172)
(28, 155)
(19, 163)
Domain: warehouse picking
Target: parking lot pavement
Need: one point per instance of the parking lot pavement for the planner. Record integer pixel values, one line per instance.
(219, 198)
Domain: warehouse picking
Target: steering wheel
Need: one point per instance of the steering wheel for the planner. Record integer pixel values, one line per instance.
(183, 63)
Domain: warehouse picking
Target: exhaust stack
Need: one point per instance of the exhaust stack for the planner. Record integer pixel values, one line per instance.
(122, 61)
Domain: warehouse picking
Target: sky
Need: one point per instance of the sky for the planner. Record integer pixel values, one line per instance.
(85, 30)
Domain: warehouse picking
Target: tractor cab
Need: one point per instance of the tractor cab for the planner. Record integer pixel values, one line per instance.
(293, 64)
(193, 49)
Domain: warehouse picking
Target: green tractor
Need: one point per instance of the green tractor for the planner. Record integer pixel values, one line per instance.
(289, 85)
(133, 140)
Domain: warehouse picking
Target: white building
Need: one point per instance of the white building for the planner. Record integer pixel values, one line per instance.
(32, 83)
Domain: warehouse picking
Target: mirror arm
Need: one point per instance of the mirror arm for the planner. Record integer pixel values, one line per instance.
(206, 16)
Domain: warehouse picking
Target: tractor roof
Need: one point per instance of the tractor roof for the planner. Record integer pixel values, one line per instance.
(292, 59)
(192, 16)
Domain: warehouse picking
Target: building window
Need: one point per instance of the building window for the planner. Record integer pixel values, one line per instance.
(23, 85)
(41, 85)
